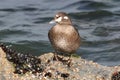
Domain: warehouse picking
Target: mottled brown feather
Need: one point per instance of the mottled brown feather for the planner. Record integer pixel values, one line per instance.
(64, 37)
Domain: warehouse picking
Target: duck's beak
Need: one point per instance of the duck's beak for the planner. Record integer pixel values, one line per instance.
(52, 22)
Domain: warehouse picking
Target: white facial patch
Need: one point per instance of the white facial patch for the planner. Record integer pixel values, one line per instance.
(65, 17)
(57, 15)
(59, 19)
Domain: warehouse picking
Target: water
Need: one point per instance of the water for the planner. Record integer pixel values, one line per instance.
(24, 24)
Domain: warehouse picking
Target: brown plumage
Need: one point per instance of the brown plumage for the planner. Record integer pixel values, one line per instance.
(63, 36)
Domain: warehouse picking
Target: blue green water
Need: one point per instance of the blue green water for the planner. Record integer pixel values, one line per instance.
(24, 24)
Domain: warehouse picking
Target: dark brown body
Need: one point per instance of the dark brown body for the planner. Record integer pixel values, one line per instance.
(64, 38)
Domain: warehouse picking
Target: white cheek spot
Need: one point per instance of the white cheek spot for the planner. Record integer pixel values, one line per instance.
(65, 17)
(59, 19)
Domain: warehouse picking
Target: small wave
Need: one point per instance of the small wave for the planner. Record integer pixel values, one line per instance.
(2, 23)
(36, 47)
(114, 28)
(87, 5)
(9, 10)
(100, 31)
(22, 25)
(92, 14)
(12, 32)
(42, 20)
(26, 8)
(19, 9)
(7, 35)
(93, 5)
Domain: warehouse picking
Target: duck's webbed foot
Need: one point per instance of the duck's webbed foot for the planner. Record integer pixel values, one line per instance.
(57, 58)
(62, 59)
(67, 62)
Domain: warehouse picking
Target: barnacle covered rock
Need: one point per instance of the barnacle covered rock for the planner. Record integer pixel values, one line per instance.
(18, 66)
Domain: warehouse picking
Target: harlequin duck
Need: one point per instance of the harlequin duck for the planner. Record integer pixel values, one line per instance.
(64, 37)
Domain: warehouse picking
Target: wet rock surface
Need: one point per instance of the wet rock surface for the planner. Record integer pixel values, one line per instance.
(18, 66)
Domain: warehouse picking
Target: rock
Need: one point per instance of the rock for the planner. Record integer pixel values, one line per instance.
(80, 69)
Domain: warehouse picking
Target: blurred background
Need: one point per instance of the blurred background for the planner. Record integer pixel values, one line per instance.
(24, 24)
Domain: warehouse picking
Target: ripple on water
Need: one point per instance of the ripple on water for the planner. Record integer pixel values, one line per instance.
(92, 14)
(88, 5)
(93, 5)
(42, 20)
(9, 10)
(100, 31)
(11, 34)
(27, 46)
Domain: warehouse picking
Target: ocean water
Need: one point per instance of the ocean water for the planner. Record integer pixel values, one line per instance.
(24, 24)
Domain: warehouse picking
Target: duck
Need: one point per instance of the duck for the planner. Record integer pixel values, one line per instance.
(63, 36)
